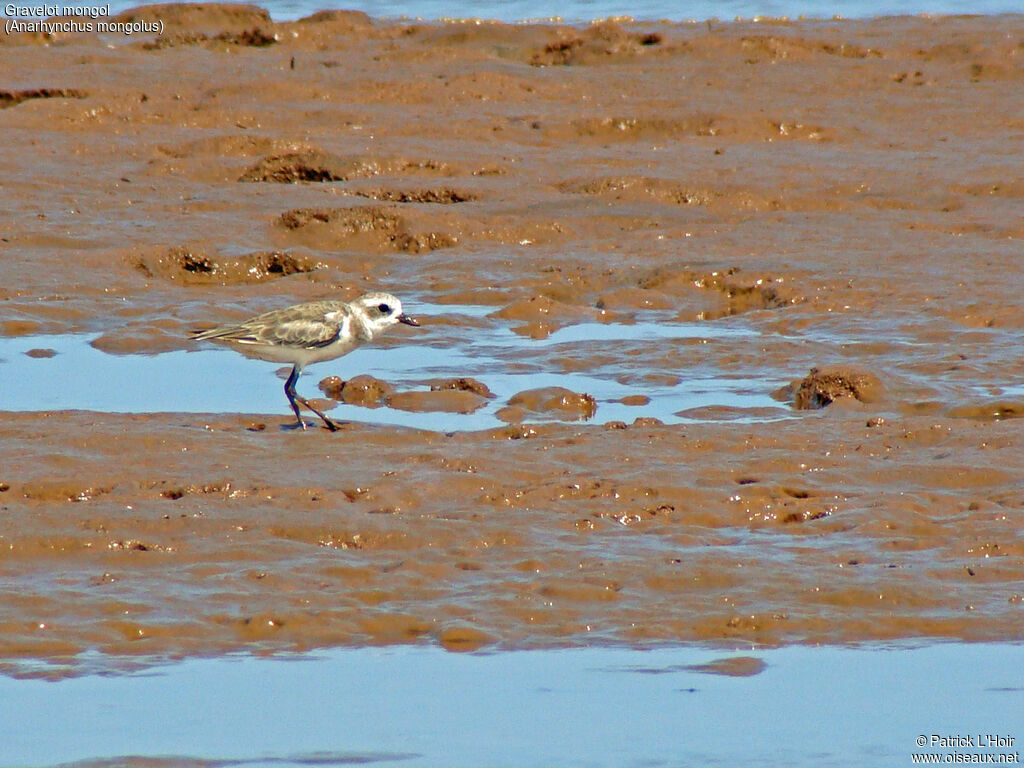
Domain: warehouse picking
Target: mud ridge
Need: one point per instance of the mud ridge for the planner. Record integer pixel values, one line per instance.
(191, 266)
(372, 228)
(317, 166)
(255, 38)
(13, 98)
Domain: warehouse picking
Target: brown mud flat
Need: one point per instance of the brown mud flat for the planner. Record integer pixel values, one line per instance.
(858, 180)
(219, 536)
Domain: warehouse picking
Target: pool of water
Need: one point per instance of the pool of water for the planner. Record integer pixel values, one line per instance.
(422, 706)
(69, 372)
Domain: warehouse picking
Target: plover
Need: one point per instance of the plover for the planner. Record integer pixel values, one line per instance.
(310, 333)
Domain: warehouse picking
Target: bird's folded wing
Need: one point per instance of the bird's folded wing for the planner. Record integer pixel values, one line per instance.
(302, 332)
(307, 326)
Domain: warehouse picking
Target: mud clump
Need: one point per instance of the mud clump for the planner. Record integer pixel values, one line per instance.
(293, 167)
(254, 37)
(824, 386)
(317, 166)
(463, 639)
(630, 298)
(462, 395)
(374, 228)
(602, 42)
(437, 401)
(12, 98)
(543, 315)
(196, 267)
(463, 384)
(638, 188)
(443, 195)
(361, 390)
(556, 403)
(209, 17)
(774, 47)
(731, 291)
(635, 400)
(352, 220)
(640, 126)
(356, 20)
(761, 294)
(716, 197)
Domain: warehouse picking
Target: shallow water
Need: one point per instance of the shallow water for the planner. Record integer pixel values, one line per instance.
(416, 706)
(68, 372)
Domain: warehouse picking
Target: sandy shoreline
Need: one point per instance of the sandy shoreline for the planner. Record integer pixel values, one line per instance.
(850, 189)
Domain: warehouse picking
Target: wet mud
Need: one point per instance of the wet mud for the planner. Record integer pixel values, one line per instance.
(824, 386)
(830, 209)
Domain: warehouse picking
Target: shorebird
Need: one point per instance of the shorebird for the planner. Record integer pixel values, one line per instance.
(310, 333)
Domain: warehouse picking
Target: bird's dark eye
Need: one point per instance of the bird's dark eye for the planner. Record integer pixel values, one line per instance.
(384, 309)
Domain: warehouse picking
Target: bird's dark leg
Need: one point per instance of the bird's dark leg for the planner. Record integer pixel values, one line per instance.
(295, 401)
(289, 390)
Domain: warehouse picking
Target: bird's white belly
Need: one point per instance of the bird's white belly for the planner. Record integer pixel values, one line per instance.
(300, 356)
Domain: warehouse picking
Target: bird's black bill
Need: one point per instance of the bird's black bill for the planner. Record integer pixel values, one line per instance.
(404, 318)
